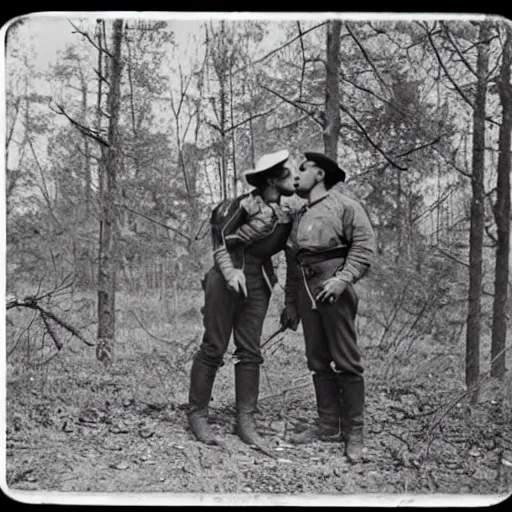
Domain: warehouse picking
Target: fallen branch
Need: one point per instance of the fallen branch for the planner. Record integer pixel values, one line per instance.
(173, 343)
(400, 438)
(168, 342)
(284, 391)
(31, 303)
(26, 329)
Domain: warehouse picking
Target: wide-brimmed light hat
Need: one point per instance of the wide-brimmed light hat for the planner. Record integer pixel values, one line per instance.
(265, 163)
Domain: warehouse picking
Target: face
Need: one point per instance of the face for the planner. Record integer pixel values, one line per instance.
(284, 183)
(308, 176)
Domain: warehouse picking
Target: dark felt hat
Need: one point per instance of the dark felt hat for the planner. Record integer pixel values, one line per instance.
(327, 164)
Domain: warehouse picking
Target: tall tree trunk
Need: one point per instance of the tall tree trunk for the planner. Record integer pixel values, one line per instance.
(502, 216)
(223, 108)
(251, 130)
(332, 93)
(399, 231)
(132, 112)
(101, 161)
(107, 256)
(87, 155)
(477, 217)
(233, 135)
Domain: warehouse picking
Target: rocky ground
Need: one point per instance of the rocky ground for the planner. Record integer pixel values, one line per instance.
(74, 426)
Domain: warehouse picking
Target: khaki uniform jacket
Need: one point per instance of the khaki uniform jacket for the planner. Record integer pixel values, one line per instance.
(332, 237)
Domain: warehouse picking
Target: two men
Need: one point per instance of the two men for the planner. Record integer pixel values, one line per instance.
(328, 247)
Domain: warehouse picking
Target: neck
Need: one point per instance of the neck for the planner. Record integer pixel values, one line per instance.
(317, 192)
(270, 195)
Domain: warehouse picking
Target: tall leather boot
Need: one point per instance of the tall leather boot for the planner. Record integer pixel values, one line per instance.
(202, 377)
(247, 383)
(352, 417)
(329, 413)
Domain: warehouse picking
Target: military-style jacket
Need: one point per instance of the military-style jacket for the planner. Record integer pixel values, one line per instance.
(331, 237)
(246, 232)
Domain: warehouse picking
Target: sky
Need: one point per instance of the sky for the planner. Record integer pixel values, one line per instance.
(49, 35)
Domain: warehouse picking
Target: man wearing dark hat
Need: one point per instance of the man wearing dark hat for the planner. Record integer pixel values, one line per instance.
(330, 248)
(246, 232)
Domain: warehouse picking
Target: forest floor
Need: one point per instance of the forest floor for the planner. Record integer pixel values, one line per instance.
(74, 426)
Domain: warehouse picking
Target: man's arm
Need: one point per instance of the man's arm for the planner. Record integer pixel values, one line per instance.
(260, 222)
(361, 237)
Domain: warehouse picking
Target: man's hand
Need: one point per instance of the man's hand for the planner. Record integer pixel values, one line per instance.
(237, 282)
(290, 317)
(331, 290)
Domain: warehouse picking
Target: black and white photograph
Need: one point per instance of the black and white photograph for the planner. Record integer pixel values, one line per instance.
(257, 258)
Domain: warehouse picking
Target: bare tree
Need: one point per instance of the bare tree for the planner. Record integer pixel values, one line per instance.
(502, 215)
(477, 215)
(107, 250)
(332, 93)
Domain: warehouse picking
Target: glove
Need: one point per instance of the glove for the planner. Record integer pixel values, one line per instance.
(224, 263)
(237, 282)
(290, 317)
(331, 290)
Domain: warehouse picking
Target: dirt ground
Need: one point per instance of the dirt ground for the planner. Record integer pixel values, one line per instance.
(74, 426)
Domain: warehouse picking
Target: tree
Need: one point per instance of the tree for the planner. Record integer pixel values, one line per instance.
(502, 215)
(332, 91)
(107, 249)
(473, 325)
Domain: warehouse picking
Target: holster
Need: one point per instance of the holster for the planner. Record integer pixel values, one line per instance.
(316, 273)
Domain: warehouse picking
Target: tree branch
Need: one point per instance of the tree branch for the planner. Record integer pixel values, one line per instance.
(287, 43)
(11, 131)
(370, 140)
(255, 116)
(88, 37)
(31, 303)
(452, 257)
(303, 70)
(451, 79)
(446, 72)
(289, 125)
(365, 55)
(422, 146)
(170, 228)
(293, 103)
(457, 49)
(491, 235)
(89, 132)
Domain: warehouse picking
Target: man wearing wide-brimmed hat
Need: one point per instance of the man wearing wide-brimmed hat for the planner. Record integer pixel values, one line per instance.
(246, 232)
(331, 243)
